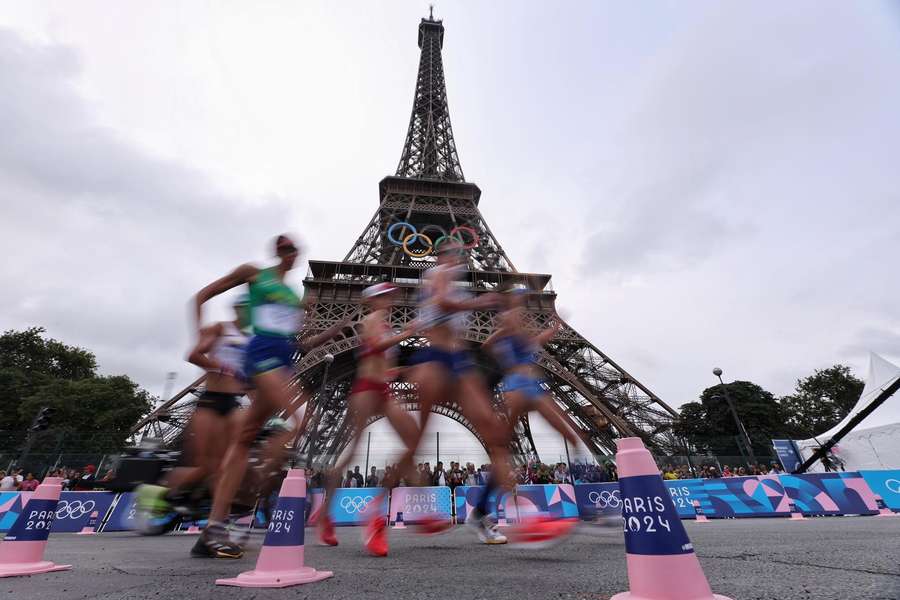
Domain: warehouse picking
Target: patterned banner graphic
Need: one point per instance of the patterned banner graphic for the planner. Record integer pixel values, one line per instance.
(550, 500)
(418, 503)
(466, 498)
(830, 493)
(756, 496)
(123, 517)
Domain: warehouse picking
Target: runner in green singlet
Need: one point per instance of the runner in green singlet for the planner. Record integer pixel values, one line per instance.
(276, 317)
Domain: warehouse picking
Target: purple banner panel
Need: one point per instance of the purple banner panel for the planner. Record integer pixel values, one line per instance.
(74, 510)
(420, 503)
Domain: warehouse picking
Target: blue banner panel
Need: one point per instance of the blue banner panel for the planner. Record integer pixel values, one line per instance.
(466, 498)
(755, 496)
(123, 517)
(74, 510)
(419, 503)
(598, 499)
(684, 492)
(354, 506)
(886, 484)
(830, 493)
(788, 454)
(549, 500)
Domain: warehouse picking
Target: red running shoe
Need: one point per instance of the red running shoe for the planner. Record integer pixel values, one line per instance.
(541, 532)
(375, 537)
(326, 531)
(432, 526)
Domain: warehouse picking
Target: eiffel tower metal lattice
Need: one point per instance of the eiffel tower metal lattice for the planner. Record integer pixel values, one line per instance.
(425, 203)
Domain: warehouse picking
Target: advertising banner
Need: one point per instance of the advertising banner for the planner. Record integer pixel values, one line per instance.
(466, 498)
(830, 493)
(788, 454)
(598, 499)
(354, 506)
(10, 509)
(419, 503)
(755, 496)
(550, 500)
(123, 517)
(884, 483)
(74, 510)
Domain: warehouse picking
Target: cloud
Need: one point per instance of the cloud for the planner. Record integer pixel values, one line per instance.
(105, 242)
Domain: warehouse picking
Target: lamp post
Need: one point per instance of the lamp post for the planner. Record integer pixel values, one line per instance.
(737, 420)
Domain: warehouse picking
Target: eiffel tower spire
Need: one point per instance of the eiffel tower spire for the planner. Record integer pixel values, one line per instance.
(429, 151)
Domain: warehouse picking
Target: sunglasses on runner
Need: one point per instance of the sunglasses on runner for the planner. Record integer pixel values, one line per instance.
(286, 249)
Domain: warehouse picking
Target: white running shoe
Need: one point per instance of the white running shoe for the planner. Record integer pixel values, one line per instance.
(485, 528)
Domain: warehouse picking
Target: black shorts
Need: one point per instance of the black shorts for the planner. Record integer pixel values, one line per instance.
(220, 402)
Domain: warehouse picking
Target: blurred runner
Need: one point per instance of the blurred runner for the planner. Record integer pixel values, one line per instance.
(276, 316)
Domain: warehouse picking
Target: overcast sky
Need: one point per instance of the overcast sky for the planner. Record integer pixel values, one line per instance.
(708, 185)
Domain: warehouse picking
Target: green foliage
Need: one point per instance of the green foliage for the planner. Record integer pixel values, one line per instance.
(93, 413)
(821, 400)
(709, 424)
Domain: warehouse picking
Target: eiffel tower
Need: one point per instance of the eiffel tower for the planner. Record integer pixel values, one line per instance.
(427, 202)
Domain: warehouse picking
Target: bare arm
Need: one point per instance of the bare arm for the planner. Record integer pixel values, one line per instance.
(208, 337)
(380, 344)
(243, 274)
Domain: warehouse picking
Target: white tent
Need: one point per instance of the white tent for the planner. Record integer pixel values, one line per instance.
(877, 446)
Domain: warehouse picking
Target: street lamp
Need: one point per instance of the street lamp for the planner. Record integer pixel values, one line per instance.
(737, 420)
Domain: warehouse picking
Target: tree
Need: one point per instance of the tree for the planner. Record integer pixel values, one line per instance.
(94, 415)
(821, 400)
(91, 411)
(709, 424)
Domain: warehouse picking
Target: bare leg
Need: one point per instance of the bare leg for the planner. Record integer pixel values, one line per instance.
(272, 396)
(208, 434)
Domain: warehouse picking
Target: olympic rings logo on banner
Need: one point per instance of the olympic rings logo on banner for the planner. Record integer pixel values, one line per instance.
(353, 504)
(605, 499)
(74, 509)
(405, 235)
(895, 488)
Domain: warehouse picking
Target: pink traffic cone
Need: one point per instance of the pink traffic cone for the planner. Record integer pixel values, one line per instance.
(883, 510)
(398, 524)
(280, 562)
(660, 557)
(796, 515)
(22, 550)
(91, 527)
(501, 515)
(700, 518)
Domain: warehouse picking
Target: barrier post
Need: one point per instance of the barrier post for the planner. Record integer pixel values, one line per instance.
(883, 510)
(796, 514)
(698, 510)
(280, 562)
(661, 561)
(91, 527)
(22, 550)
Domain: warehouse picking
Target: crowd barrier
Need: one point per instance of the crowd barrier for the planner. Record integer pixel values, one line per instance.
(813, 494)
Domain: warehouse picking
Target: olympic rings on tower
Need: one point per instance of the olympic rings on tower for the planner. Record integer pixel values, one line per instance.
(409, 235)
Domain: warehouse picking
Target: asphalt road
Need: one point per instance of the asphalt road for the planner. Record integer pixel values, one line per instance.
(818, 559)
